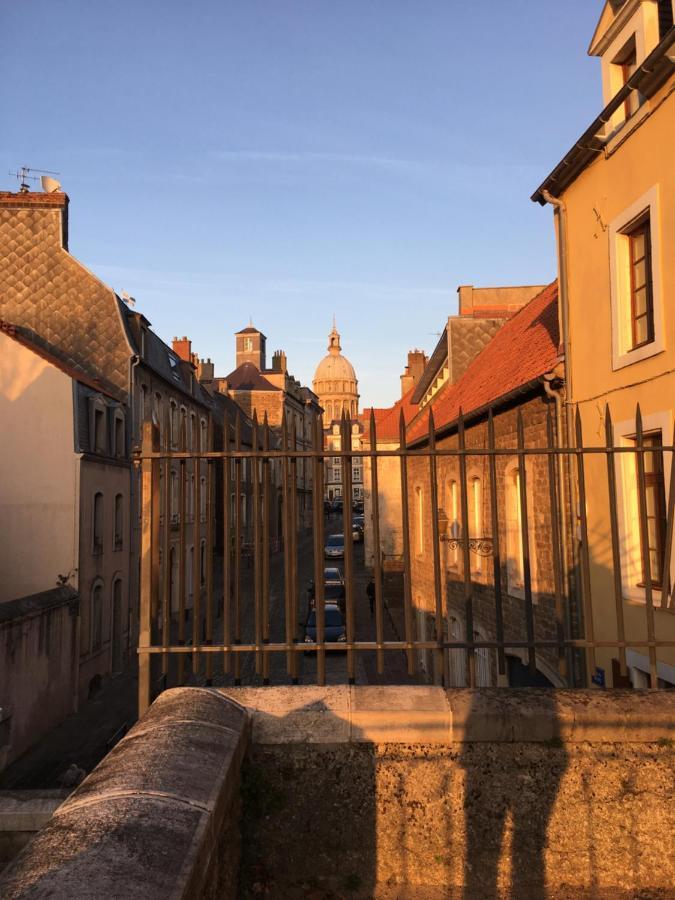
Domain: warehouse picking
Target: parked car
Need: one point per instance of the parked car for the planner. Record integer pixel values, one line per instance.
(357, 528)
(357, 506)
(335, 546)
(332, 575)
(334, 631)
(333, 594)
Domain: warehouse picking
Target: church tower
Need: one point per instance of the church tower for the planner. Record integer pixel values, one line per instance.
(335, 382)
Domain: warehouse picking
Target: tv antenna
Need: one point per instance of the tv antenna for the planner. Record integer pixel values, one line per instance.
(23, 177)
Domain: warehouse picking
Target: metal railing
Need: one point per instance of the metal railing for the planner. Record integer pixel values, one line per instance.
(217, 639)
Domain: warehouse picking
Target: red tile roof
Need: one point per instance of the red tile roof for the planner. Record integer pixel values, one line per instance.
(525, 348)
(387, 420)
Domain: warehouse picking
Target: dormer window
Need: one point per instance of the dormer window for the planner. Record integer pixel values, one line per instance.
(173, 362)
(626, 65)
(98, 437)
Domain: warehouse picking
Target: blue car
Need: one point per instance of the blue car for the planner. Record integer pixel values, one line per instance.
(334, 631)
(335, 546)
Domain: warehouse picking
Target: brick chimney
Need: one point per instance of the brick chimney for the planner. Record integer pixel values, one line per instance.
(182, 347)
(42, 204)
(279, 363)
(417, 361)
(205, 371)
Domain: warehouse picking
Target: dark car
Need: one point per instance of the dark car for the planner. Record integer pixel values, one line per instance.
(333, 594)
(334, 630)
(357, 528)
(335, 546)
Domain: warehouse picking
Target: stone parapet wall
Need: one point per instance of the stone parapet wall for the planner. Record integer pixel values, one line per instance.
(420, 792)
(157, 818)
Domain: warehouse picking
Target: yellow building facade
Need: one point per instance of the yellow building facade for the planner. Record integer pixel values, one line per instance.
(614, 200)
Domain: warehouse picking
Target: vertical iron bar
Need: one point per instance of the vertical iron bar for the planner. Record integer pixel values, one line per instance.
(496, 555)
(319, 602)
(181, 554)
(288, 543)
(614, 529)
(150, 510)
(257, 561)
(589, 630)
(346, 447)
(266, 549)
(466, 558)
(525, 541)
(237, 549)
(227, 544)
(208, 556)
(644, 546)
(377, 556)
(436, 541)
(294, 551)
(554, 511)
(405, 526)
(670, 522)
(197, 554)
(166, 536)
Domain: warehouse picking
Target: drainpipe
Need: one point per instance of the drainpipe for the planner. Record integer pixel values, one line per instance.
(132, 622)
(563, 302)
(555, 394)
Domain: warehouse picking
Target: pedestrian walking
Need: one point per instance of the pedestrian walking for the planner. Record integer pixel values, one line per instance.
(370, 590)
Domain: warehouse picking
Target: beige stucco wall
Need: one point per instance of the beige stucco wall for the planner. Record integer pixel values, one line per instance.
(633, 167)
(39, 503)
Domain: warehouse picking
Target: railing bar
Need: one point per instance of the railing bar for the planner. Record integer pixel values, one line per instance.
(377, 556)
(614, 531)
(405, 527)
(670, 526)
(257, 561)
(197, 558)
(165, 567)
(644, 547)
(209, 561)
(294, 556)
(286, 522)
(466, 559)
(318, 530)
(149, 510)
(585, 564)
(266, 548)
(237, 547)
(181, 558)
(227, 544)
(435, 538)
(554, 509)
(525, 542)
(496, 556)
(346, 444)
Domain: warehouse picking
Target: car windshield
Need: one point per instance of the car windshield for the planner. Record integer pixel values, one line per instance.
(331, 575)
(335, 540)
(333, 619)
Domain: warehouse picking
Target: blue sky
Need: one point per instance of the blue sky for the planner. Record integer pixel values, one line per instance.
(290, 159)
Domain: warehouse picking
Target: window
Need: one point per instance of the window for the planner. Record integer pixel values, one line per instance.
(174, 424)
(626, 63)
(175, 497)
(635, 284)
(143, 406)
(336, 474)
(515, 567)
(99, 429)
(248, 345)
(97, 617)
(204, 436)
(202, 563)
(118, 525)
(98, 524)
(118, 433)
(419, 515)
(642, 307)
(454, 527)
(188, 572)
(476, 518)
(202, 499)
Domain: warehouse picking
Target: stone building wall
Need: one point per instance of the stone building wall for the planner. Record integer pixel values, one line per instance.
(482, 578)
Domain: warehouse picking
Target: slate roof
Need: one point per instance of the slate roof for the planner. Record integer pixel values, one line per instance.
(524, 349)
(27, 339)
(53, 298)
(247, 377)
(251, 330)
(161, 358)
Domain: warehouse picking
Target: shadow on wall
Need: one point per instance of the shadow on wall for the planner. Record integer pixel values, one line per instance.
(343, 817)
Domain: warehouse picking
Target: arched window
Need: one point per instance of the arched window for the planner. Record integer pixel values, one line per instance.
(118, 523)
(515, 559)
(118, 433)
(419, 520)
(202, 498)
(97, 516)
(476, 518)
(174, 424)
(203, 445)
(175, 497)
(454, 527)
(97, 616)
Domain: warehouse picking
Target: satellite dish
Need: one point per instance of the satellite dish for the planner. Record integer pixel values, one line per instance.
(50, 185)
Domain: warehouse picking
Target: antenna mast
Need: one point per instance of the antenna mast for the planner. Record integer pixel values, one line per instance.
(23, 177)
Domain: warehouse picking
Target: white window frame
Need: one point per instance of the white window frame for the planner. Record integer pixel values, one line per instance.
(516, 589)
(476, 526)
(627, 500)
(454, 524)
(620, 292)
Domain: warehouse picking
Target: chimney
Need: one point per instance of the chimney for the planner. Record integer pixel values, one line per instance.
(417, 361)
(205, 371)
(279, 363)
(182, 347)
(42, 205)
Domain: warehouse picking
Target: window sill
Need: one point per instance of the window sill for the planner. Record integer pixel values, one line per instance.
(645, 351)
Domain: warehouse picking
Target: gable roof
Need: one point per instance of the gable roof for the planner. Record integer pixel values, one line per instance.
(387, 421)
(524, 349)
(247, 377)
(23, 337)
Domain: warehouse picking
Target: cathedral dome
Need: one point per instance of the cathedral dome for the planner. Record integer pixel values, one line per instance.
(335, 381)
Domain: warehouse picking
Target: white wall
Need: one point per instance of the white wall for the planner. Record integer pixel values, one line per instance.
(39, 503)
